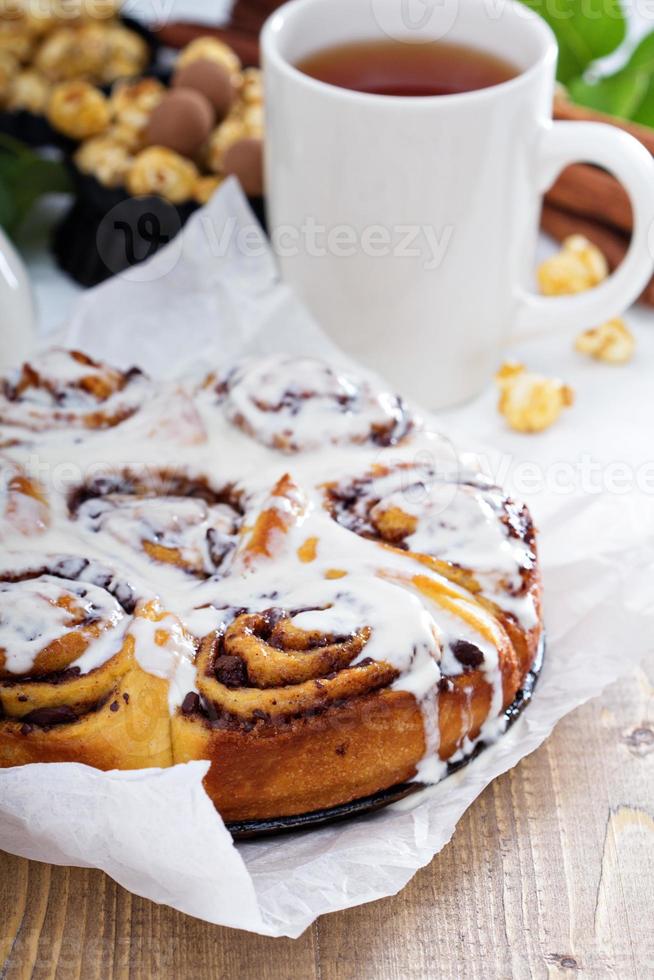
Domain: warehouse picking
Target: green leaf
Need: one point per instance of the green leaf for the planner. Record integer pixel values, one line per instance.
(629, 92)
(24, 177)
(619, 95)
(585, 30)
(644, 114)
(7, 208)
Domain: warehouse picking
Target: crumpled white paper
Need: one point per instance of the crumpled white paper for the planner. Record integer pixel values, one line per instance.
(155, 831)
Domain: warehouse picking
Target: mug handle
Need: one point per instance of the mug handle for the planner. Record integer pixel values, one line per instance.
(570, 142)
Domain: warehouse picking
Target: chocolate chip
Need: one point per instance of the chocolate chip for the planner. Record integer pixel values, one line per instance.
(102, 579)
(219, 546)
(230, 671)
(45, 717)
(126, 697)
(191, 703)
(124, 594)
(25, 729)
(22, 697)
(114, 706)
(467, 654)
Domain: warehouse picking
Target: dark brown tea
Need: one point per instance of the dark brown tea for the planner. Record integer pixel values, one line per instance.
(406, 68)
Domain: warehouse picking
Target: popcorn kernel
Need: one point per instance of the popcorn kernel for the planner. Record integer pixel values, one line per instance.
(530, 402)
(611, 342)
(578, 266)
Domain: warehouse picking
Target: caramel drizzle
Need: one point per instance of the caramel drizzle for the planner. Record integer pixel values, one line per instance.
(26, 509)
(286, 507)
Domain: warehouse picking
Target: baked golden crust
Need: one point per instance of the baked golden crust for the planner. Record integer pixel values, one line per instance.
(306, 763)
(318, 633)
(112, 716)
(290, 758)
(129, 730)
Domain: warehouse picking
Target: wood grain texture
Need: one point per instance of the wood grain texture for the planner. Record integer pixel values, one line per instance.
(550, 874)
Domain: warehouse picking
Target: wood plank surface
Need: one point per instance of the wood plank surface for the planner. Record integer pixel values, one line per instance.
(549, 874)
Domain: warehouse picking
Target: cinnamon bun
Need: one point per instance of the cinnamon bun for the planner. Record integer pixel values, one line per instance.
(286, 582)
(296, 404)
(67, 389)
(71, 688)
(167, 517)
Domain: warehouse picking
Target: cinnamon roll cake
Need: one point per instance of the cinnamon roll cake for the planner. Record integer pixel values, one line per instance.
(276, 567)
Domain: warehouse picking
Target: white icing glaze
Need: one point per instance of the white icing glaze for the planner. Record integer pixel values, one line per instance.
(201, 534)
(31, 618)
(62, 388)
(376, 589)
(296, 404)
(458, 521)
(172, 660)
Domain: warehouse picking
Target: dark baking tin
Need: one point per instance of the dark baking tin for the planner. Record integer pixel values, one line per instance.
(107, 231)
(253, 829)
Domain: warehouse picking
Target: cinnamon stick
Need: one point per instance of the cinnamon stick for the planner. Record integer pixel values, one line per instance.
(560, 224)
(593, 193)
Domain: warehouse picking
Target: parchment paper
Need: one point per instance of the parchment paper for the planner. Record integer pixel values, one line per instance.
(155, 831)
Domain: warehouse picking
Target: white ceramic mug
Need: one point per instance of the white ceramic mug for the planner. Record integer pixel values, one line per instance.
(409, 225)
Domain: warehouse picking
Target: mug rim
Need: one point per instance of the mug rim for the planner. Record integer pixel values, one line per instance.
(276, 21)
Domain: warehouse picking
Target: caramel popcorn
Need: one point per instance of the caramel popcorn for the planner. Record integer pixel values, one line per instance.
(78, 110)
(43, 16)
(11, 9)
(28, 90)
(8, 69)
(132, 139)
(210, 49)
(132, 103)
(104, 158)
(158, 170)
(530, 402)
(205, 188)
(59, 57)
(40, 22)
(99, 52)
(252, 116)
(252, 86)
(126, 54)
(16, 39)
(612, 342)
(578, 266)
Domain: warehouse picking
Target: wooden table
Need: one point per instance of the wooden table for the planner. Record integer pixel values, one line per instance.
(550, 873)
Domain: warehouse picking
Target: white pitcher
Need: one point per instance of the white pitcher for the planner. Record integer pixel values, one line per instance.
(17, 312)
